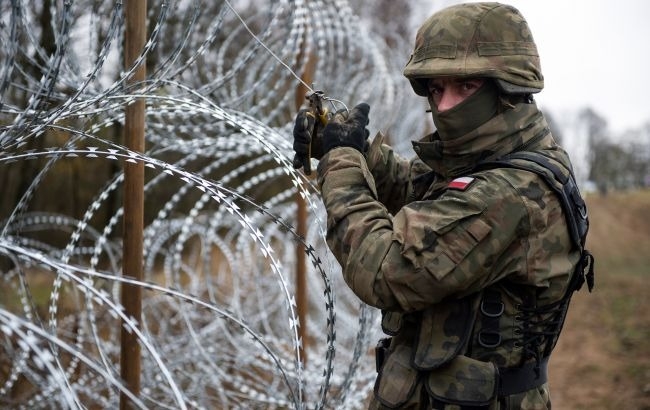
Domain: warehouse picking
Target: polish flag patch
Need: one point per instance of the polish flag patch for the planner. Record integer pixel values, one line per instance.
(461, 183)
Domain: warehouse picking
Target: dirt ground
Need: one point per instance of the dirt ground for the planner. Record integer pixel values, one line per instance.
(602, 360)
(593, 367)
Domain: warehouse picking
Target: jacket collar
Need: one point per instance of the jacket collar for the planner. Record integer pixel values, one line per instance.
(507, 132)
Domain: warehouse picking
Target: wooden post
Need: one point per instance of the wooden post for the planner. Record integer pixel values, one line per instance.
(302, 301)
(132, 261)
(302, 298)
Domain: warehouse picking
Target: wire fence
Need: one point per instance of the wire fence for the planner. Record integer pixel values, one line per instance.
(219, 327)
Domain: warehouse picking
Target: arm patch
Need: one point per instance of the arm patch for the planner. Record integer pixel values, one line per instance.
(461, 184)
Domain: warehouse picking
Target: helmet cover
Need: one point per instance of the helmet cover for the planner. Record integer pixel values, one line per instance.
(488, 39)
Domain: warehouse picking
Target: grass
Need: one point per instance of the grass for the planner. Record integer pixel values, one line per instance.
(603, 357)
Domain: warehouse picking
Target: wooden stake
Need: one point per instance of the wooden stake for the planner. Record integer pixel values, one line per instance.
(132, 265)
(302, 298)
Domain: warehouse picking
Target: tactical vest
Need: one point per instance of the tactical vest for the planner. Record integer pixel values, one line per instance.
(445, 334)
(540, 325)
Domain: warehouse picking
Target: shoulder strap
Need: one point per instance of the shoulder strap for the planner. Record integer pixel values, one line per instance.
(562, 182)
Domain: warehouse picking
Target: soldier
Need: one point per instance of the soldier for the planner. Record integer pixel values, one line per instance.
(466, 248)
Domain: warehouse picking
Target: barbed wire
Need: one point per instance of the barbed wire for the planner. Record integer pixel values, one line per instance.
(219, 327)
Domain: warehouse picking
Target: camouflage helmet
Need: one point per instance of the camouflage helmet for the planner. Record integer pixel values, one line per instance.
(477, 40)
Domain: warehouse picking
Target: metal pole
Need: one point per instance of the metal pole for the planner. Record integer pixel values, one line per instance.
(132, 265)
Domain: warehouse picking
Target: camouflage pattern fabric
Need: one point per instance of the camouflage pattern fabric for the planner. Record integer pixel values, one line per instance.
(418, 250)
(477, 40)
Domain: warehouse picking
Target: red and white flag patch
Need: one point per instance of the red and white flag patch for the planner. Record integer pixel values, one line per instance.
(461, 183)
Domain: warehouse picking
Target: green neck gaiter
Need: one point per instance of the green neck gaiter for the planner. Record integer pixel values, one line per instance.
(474, 111)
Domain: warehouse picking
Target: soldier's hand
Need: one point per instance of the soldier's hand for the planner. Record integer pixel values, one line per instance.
(348, 132)
(307, 139)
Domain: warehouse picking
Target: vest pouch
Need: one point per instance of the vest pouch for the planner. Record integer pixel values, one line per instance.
(397, 379)
(391, 322)
(444, 332)
(463, 381)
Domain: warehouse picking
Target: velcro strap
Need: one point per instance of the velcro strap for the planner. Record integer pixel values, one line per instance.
(514, 380)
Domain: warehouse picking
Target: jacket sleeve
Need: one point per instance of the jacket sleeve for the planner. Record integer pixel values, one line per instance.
(390, 172)
(427, 251)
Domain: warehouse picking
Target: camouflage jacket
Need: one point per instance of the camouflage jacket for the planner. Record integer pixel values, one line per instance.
(423, 239)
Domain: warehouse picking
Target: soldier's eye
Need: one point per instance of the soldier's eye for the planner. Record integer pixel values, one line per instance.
(471, 85)
(435, 89)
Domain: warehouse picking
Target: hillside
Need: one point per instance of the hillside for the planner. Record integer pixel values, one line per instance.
(602, 360)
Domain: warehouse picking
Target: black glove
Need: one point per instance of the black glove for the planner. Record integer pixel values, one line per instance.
(303, 130)
(350, 132)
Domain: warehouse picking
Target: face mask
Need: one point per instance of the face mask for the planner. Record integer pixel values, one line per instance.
(468, 115)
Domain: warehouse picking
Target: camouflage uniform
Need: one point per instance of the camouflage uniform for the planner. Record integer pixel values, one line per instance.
(462, 262)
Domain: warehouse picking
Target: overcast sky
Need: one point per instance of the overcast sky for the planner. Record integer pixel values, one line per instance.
(594, 53)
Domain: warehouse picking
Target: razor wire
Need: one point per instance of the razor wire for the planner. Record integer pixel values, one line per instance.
(219, 325)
